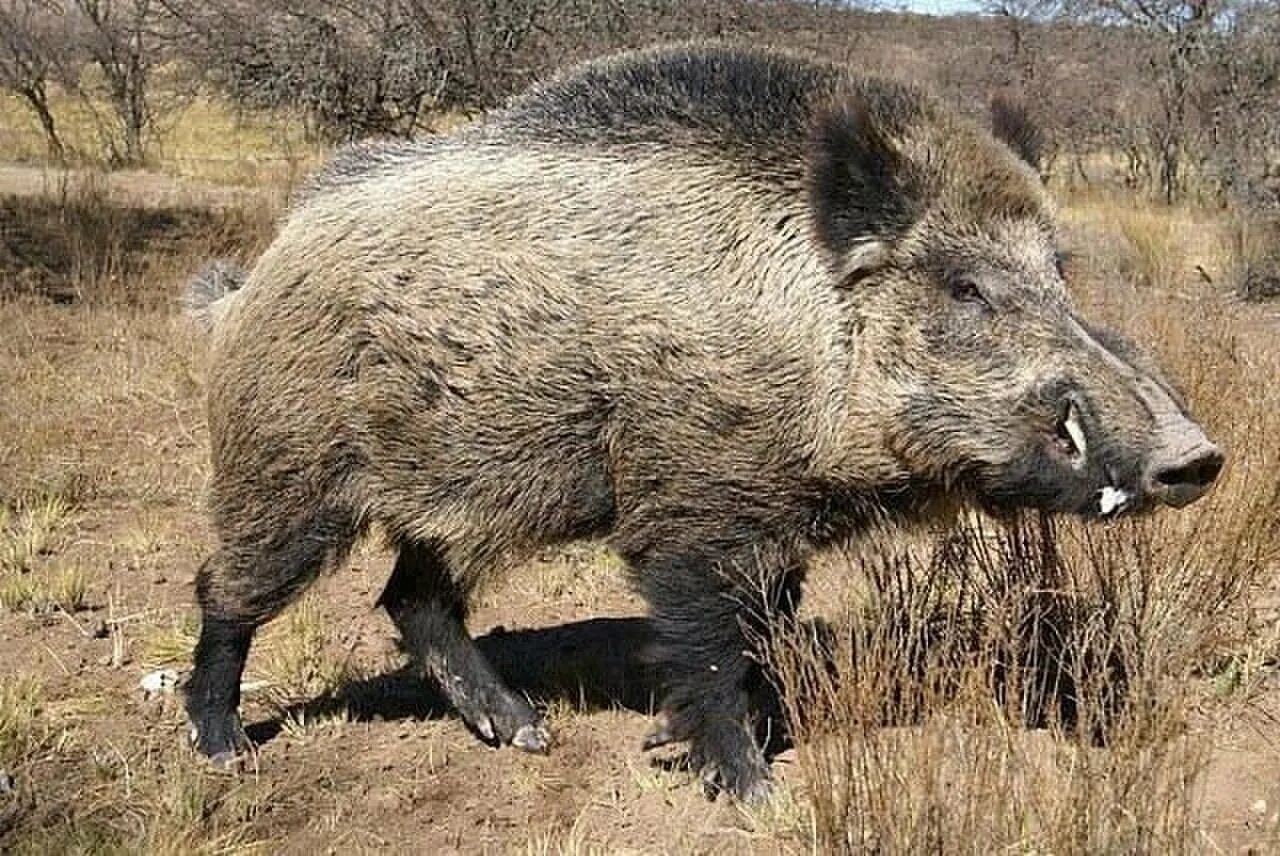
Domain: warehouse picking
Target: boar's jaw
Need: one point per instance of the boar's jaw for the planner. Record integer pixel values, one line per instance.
(1109, 500)
(1076, 458)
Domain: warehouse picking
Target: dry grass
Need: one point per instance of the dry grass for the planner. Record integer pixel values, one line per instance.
(564, 842)
(30, 530)
(914, 724)
(44, 591)
(203, 138)
(20, 720)
(297, 656)
(84, 244)
(171, 643)
(30, 581)
(147, 799)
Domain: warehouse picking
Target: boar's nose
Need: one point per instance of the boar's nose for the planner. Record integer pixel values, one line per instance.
(1181, 472)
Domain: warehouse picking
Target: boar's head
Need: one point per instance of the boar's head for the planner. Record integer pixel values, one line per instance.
(970, 355)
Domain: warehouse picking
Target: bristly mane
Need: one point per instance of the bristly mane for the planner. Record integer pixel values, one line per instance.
(685, 94)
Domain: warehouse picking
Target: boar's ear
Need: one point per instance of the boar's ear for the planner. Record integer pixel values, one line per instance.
(1012, 125)
(859, 195)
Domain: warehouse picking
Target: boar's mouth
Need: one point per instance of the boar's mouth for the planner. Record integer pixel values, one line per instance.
(1077, 466)
(1071, 440)
(1098, 477)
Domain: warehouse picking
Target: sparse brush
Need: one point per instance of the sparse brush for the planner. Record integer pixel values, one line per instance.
(297, 659)
(20, 723)
(913, 714)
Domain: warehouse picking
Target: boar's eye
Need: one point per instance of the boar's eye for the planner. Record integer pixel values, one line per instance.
(966, 290)
(1060, 259)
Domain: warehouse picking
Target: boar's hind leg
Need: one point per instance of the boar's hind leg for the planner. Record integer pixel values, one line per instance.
(240, 587)
(213, 693)
(429, 610)
(707, 623)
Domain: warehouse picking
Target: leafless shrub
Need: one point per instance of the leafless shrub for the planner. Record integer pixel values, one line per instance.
(377, 69)
(31, 35)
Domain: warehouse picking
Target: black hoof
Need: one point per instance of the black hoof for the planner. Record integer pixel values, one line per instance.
(223, 741)
(504, 719)
(728, 760)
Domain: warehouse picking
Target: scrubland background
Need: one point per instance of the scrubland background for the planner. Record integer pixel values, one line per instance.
(1032, 686)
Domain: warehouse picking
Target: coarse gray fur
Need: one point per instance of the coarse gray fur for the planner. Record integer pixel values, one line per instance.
(717, 306)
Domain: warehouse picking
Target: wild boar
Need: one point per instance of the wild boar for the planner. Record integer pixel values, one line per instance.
(719, 307)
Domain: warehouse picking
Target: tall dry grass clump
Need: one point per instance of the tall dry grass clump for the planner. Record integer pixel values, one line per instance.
(1014, 685)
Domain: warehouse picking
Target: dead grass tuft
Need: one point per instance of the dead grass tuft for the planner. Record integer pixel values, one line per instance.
(29, 582)
(298, 658)
(171, 644)
(30, 530)
(20, 722)
(914, 719)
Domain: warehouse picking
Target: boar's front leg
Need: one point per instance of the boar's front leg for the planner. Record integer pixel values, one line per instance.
(428, 608)
(711, 610)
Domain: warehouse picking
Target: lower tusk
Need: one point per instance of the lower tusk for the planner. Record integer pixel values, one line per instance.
(1112, 499)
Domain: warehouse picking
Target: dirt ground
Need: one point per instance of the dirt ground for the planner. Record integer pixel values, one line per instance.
(101, 408)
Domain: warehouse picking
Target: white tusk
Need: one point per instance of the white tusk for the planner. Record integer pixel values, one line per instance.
(1111, 499)
(1077, 433)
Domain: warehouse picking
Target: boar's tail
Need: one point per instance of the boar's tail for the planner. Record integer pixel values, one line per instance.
(210, 292)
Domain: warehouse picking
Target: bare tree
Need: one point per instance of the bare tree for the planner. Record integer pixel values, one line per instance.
(1023, 22)
(1241, 107)
(122, 39)
(31, 37)
(1176, 37)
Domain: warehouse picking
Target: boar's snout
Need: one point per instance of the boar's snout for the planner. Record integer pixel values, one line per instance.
(1183, 465)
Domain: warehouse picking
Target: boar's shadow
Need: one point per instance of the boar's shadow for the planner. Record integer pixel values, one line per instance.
(594, 664)
(602, 664)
